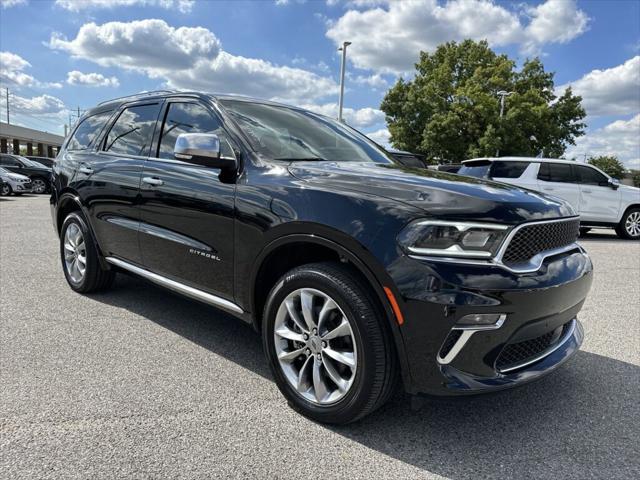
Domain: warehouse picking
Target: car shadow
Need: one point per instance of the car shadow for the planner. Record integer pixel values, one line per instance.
(579, 422)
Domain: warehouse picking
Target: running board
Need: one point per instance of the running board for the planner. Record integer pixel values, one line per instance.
(177, 286)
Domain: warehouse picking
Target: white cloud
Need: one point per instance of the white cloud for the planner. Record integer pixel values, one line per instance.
(389, 38)
(11, 72)
(358, 118)
(613, 91)
(45, 105)
(620, 138)
(380, 136)
(91, 79)
(12, 3)
(184, 6)
(190, 58)
(375, 81)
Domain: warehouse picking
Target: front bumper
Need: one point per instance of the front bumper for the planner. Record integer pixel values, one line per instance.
(542, 305)
(21, 187)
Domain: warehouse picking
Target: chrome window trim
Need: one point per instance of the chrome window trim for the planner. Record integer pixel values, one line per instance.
(177, 286)
(568, 334)
(467, 332)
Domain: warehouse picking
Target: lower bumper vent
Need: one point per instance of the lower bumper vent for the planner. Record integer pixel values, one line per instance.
(517, 355)
(449, 342)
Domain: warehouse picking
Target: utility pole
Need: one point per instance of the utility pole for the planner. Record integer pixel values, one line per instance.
(8, 106)
(342, 69)
(502, 94)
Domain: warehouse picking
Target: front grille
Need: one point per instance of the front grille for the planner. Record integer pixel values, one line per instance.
(449, 342)
(533, 239)
(520, 353)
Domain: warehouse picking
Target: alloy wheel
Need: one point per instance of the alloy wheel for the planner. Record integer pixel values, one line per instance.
(315, 346)
(6, 189)
(632, 224)
(75, 253)
(39, 186)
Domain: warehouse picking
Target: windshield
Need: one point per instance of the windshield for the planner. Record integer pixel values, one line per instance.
(30, 163)
(478, 169)
(285, 133)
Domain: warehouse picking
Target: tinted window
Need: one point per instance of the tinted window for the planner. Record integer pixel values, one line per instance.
(87, 132)
(284, 133)
(189, 118)
(9, 160)
(508, 169)
(591, 177)
(132, 132)
(475, 169)
(556, 172)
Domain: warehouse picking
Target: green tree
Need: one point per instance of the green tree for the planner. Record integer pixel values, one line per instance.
(450, 110)
(609, 164)
(635, 178)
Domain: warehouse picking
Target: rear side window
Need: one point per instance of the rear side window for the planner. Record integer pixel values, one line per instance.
(87, 132)
(478, 169)
(132, 132)
(556, 172)
(508, 169)
(590, 176)
(8, 160)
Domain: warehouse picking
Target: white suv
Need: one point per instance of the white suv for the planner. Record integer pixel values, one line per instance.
(600, 199)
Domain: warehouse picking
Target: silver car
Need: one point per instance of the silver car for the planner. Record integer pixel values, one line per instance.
(14, 183)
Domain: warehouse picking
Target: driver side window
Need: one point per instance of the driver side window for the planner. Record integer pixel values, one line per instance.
(184, 117)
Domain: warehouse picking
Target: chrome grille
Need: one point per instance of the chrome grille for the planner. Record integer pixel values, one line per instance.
(530, 240)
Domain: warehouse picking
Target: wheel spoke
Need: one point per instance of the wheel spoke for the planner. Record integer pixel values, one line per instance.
(82, 260)
(289, 334)
(291, 309)
(291, 356)
(346, 358)
(306, 301)
(340, 382)
(319, 387)
(341, 330)
(328, 306)
(303, 384)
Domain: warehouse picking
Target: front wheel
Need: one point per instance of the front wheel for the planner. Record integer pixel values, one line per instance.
(39, 185)
(6, 190)
(629, 226)
(327, 343)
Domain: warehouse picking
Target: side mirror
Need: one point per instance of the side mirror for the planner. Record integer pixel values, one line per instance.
(202, 149)
(614, 183)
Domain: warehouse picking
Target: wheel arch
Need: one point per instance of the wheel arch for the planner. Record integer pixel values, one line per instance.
(321, 248)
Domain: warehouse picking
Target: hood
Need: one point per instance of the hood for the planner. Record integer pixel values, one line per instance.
(439, 194)
(15, 176)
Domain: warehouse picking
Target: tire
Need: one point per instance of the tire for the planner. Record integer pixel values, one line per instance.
(629, 226)
(367, 340)
(39, 185)
(584, 230)
(6, 190)
(74, 247)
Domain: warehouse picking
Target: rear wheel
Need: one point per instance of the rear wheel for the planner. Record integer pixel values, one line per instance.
(327, 344)
(79, 256)
(629, 226)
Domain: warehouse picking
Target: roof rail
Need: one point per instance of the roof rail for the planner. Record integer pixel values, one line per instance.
(141, 94)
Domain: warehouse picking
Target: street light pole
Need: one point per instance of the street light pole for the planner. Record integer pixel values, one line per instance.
(502, 94)
(342, 69)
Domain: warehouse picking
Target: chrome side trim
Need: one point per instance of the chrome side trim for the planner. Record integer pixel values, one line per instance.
(467, 332)
(547, 352)
(177, 286)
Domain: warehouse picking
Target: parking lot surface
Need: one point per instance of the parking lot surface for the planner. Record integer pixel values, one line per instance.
(138, 382)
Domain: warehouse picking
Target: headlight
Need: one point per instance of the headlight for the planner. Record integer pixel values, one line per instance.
(452, 239)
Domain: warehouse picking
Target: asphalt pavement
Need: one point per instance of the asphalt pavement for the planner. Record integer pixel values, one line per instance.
(139, 382)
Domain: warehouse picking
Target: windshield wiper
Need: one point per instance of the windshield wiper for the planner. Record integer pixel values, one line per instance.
(302, 159)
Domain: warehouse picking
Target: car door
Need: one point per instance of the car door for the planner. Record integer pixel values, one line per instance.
(560, 180)
(599, 202)
(108, 179)
(187, 211)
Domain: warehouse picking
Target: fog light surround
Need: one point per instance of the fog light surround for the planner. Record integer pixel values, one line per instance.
(481, 321)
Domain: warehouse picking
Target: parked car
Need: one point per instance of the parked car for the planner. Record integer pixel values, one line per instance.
(449, 167)
(599, 199)
(46, 161)
(14, 183)
(356, 270)
(408, 159)
(39, 174)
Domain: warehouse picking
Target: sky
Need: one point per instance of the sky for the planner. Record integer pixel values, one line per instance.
(60, 55)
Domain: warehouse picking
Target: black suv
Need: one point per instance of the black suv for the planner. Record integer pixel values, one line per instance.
(39, 174)
(357, 271)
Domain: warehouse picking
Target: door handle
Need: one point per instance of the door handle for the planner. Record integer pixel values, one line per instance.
(86, 170)
(586, 191)
(548, 188)
(155, 181)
